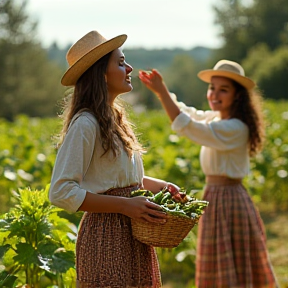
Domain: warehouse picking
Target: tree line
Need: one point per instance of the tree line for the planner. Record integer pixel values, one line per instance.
(256, 35)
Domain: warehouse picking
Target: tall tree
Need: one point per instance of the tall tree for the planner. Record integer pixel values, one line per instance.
(271, 74)
(29, 83)
(15, 25)
(244, 26)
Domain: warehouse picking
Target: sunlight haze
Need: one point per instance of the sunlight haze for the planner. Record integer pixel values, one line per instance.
(150, 24)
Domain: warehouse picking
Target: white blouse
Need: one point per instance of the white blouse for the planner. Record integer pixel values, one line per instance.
(224, 143)
(79, 166)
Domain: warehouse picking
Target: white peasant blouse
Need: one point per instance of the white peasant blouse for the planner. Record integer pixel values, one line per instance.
(224, 150)
(79, 166)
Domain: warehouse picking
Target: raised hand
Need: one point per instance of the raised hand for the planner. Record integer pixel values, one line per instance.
(153, 81)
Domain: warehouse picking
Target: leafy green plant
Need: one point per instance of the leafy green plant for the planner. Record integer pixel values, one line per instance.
(26, 146)
(269, 170)
(37, 246)
(27, 155)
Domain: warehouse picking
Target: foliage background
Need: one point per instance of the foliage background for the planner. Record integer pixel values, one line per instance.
(29, 74)
(28, 154)
(255, 35)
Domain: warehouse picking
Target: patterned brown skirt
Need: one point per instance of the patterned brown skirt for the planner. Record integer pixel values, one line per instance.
(107, 255)
(231, 248)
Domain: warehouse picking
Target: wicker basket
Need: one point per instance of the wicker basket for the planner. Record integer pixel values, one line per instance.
(168, 235)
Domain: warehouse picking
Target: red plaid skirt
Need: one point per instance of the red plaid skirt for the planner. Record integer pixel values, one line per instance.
(107, 255)
(231, 248)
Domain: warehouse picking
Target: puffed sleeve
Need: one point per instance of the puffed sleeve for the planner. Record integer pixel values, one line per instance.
(193, 112)
(71, 164)
(221, 135)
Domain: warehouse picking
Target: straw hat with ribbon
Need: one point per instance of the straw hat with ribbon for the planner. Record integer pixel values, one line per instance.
(85, 52)
(229, 69)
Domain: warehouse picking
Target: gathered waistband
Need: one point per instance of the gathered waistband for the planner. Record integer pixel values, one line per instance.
(122, 191)
(222, 180)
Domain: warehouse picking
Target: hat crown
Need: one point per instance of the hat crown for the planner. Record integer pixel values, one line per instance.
(83, 46)
(86, 51)
(228, 69)
(230, 66)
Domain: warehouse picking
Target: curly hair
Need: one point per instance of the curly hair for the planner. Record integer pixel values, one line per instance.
(247, 107)
(90, 94)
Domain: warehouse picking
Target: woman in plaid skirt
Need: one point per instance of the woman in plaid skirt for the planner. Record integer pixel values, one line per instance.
(231, 248)
(97, 167)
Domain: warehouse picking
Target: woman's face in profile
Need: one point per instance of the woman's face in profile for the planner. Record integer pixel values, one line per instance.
(118, 75)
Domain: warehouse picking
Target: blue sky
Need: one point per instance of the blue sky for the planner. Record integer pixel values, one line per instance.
(150, 24)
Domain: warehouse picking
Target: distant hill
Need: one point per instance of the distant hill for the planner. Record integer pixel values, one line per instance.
(162, 58)
(140, 58)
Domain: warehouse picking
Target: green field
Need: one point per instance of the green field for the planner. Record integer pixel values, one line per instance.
(27, 155)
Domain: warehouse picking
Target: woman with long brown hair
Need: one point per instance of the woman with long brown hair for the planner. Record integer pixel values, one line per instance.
(231, 248)
(97, 167)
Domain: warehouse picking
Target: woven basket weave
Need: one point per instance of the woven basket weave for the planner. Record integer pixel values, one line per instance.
(168, 235)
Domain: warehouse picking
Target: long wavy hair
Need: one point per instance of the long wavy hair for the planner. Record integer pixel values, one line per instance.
(247, 107)
(91, 94)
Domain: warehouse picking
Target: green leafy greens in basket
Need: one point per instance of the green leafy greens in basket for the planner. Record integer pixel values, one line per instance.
(178, 204)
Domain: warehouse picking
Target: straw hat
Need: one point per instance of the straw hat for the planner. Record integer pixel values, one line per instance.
(229, 69)
(85, 52)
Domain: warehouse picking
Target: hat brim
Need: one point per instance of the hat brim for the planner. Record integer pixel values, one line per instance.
(74, 72)
(206, 76)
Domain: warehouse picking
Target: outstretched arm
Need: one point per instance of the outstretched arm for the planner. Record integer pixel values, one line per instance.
(153, 80)
(155, 185)
(133, 207)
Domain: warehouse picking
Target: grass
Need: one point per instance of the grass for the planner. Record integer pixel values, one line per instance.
(277, 242)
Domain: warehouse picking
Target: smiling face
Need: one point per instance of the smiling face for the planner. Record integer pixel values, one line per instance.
(118, 76)
(221, 94)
